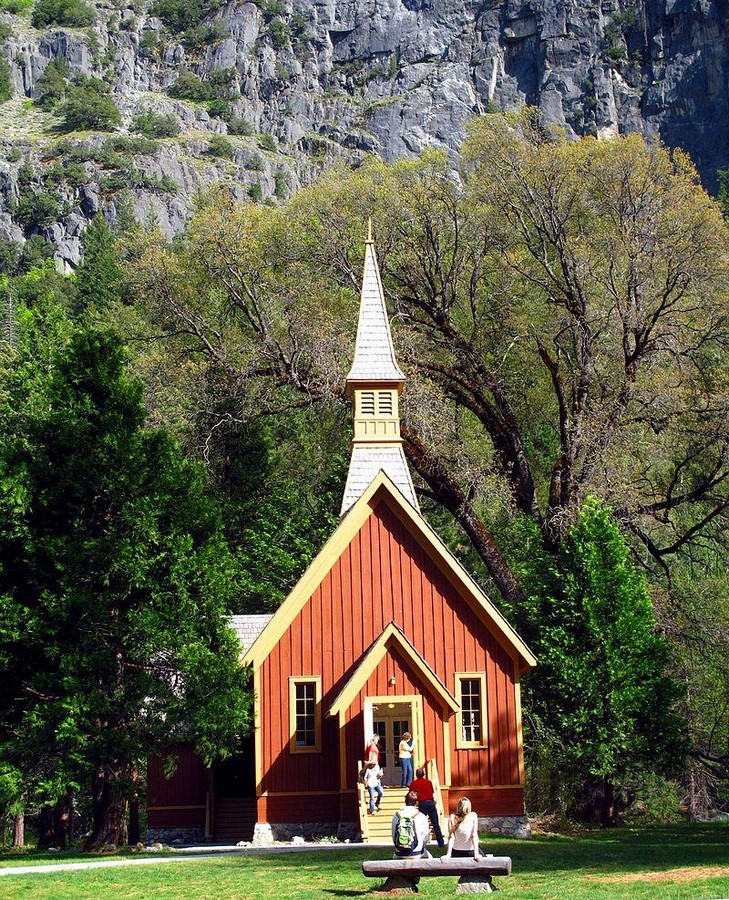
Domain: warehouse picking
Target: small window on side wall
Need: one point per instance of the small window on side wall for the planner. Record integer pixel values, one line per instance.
(305, 714)
(471, 724)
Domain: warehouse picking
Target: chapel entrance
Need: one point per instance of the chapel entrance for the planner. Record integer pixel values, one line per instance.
(390, 721)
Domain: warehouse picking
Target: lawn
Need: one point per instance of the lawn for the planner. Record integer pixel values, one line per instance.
(690, 861)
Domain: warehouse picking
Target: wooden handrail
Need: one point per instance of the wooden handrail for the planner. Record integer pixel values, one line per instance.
(436, 789)
(362, 803)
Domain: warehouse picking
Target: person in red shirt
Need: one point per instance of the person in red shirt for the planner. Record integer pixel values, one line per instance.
(423, 787)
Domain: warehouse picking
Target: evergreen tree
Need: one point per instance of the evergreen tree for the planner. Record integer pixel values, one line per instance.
(98, 277)
(114, 587)
(601, 694)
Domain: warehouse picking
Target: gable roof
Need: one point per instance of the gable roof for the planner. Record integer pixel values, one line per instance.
(381, 489)
(247, 628)
(366, 462)
(392, 636)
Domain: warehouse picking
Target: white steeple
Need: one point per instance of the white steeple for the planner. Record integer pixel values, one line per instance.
(375, 383)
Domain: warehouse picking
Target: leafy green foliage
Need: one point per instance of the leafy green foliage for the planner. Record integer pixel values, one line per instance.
(16, 7)
(6, 88)
(218, 145)
(156, 125)
(114, 581)
(181, 15)
(268, 142)
(5, 31)
(88, 105)
(276, 518)
(189, 87)
(279, 34)
(36, 209)
(53, 83)
(98, 278)
(601, 688)
(76, 13)
(240, 126)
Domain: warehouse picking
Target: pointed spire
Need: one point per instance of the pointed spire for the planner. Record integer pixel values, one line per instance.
(374, 355)
(375, 382)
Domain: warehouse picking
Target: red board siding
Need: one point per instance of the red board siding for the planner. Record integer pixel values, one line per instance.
(384, 575)
(186, 790)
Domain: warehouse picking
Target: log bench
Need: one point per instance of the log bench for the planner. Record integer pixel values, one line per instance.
(475, 875)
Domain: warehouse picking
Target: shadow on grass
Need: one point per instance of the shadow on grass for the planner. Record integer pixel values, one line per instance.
(617, 850)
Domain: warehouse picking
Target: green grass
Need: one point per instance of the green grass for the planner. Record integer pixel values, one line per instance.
(672, 863)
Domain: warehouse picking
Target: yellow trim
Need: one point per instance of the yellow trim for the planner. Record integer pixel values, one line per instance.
(372, 658)
(295, 680)
(446, 753)
(381, 486)
(519, 732)
(182, 806)
(486, 787)
(342, 752)
(303, 793)
(460, 743)
(257, 736)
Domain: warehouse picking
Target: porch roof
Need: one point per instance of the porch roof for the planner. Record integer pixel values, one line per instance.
(391, 636)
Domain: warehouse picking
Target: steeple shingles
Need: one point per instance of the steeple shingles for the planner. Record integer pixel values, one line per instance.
(375, 382)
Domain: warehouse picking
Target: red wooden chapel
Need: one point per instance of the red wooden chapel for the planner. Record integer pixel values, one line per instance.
(385, 632)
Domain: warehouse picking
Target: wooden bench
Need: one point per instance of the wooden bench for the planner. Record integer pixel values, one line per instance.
(475, 875)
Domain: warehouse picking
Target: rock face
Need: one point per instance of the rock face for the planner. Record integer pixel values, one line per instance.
(328, 78)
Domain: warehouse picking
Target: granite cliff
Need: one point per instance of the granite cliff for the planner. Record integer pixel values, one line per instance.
(265, 94)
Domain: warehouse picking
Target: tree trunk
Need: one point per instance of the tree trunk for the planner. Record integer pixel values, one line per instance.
(608, 805)
(45, 827)
(134, 812)
(109, 811)
(19, 830)
(62, 821)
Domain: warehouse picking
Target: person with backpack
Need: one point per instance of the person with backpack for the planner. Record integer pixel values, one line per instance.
(410, 829)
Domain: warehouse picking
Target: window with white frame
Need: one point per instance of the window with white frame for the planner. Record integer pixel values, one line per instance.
(305, 714)
(471, 694)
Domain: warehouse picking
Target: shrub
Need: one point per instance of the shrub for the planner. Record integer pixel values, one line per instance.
(279, 33)
(240, 126)
(52, 84)
(280, 186)
(125, 144)
(255, 163)
(9, 256)
(88, 105)
(220, 146)
(255, 192)
(76, 13)
(16, 7)
(13, 154)
(189, 87)
(200, 35)
(156, 125)
(36, 209)
(5, 31)
(220, 109)
(268, 142)
(6, 88)
(181, 15)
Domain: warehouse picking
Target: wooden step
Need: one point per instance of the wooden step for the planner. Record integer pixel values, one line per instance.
(235, 819)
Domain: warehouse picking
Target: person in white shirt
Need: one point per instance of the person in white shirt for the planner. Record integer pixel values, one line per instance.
(405, 754)
(420, 827)
(372, 780)
(463, 832)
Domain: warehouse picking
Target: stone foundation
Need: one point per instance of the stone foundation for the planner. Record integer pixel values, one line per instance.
(270, 832)
(175, 835)
(516, 826)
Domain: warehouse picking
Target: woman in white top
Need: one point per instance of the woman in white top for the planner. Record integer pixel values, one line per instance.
(463, 832)
(405, 754)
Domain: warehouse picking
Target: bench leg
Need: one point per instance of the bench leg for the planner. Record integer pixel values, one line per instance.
(475, 884)
(400, 883)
